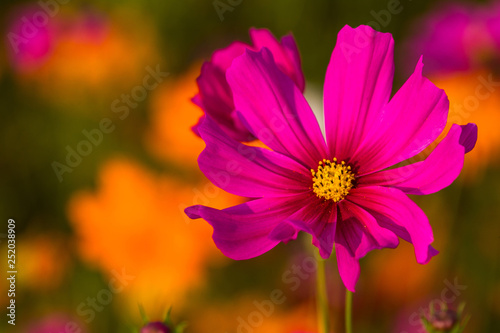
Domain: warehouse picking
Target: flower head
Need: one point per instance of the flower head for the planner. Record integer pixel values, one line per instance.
(172, 114)
(48, 260)
(215, 97)
(83, 52)
(29, 42)
(54, 323)
(465, 105)
(155, 327)
(443, 319)
(338, 189)
(108, 220)
(461, 47)
(219, 317)
(457, 37)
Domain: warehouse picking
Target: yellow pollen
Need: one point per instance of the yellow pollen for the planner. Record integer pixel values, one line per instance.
(332, 180)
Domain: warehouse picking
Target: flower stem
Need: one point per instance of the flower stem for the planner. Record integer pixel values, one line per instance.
(322, 297)
(348, 311)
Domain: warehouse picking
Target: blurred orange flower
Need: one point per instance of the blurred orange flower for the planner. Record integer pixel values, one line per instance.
(90, 54)
(173, 114)
(253, 313)
(397, 278)
(460, 46)
(135, 222)
(474, 98)
(45, 260)
(42, 261)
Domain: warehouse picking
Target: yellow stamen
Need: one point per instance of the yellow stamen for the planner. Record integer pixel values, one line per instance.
(332, 180)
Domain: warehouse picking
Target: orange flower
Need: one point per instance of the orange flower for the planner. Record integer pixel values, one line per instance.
(45, 260)
(399, 280)
(173, 115)
(474, 98)
(135, 222)
(257, 314)
(42, 262)
(92, 54)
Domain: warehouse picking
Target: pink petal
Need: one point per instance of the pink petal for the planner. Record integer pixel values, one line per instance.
(241, 232)
(395, 211)
(284, 232)
(274, 109)
(437, 171)
(357, 234)
(348, 265)
(215, 97)
(440, 37)
(358, 84)
(468, 137)
(223, 58)
(318, 218)
(195, 127)
(362, 230)
(412, 120)
(286, 54)
(248, 171)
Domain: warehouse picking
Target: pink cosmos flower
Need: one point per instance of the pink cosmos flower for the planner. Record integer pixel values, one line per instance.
(155, 327)
(457, 37)
(30, 38)
(55, 323)
(34, 36)
(338, 189)
(215, 97)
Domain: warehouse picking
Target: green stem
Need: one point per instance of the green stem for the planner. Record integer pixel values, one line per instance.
(322, 297)
(348, 311)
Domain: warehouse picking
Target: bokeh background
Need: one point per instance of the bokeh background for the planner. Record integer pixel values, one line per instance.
(98, 162)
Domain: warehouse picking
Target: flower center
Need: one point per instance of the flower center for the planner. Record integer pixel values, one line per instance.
(332, 180)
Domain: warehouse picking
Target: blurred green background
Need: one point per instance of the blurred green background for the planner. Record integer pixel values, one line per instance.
(119, 207)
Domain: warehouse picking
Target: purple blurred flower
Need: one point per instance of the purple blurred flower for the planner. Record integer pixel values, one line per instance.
(55, 323)
(339, 190)
(155, 327)
(34, 34)
(215, 97)
(444, 320)
(30, 38)
(456, 37)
